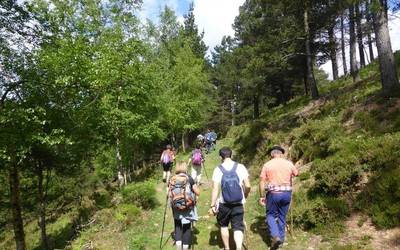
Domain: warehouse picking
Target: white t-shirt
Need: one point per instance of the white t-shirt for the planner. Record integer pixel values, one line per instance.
(228, 165)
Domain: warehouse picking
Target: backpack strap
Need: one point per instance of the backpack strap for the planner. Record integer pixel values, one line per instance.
(224, 171)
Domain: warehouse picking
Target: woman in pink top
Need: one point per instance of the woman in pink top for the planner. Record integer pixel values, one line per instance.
(276, 192)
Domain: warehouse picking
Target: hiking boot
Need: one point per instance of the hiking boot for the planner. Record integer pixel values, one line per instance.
(275, 243)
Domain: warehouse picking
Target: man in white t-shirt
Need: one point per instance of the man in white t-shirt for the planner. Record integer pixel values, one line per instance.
(233, 180)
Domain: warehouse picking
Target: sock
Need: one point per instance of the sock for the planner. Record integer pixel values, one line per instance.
(178, 245)
(168, 175)
(164, 174)
(185, 247)
(238, 237)
(198, 178)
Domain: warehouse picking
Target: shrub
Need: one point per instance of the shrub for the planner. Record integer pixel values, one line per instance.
(380, 198)
(141, 194)
(102, 198)
(312, 139)
(336, 175)
(138, 242)
(319, 211)
(127, 213)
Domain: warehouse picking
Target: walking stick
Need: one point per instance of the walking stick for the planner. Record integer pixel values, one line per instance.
(204, 167)
(191, 231)
(246, 233)
(162, 230)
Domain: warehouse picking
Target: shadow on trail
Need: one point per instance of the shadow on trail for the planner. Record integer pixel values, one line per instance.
(216, 240)
(261, 229)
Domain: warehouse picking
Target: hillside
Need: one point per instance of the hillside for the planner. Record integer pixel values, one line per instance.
(346, 145)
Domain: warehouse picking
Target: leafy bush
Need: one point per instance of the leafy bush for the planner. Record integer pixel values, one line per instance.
(102, 198)
(127, 213)
(312, 139)
(138, 242)
(380, 199)
(141, 194)
(319, 211)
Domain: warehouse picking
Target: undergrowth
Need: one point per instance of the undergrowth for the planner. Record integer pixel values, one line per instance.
(351, 136)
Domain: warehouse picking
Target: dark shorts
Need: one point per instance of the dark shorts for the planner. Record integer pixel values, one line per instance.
(167, 166)
(231, 213)
(182, 232)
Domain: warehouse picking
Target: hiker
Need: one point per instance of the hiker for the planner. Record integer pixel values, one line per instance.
(183, 193)
(210, 138)
(276, 192)
(200, 139)
(197, 161)
(167, 160)
(233, 180)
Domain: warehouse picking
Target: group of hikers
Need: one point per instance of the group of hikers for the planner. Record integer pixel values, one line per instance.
(231, 187)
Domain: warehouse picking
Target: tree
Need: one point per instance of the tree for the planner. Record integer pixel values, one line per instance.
(310, 75)
(191, 32)
(358, 17)
(353, 60)
(389, 78)
(343, 46)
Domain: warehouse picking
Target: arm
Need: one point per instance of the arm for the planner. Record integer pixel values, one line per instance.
(196, 190)
(295, 172)
(214, 193)
(261, 187)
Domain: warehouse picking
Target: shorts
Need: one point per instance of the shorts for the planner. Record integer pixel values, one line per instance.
(231, 213)
(167, 166)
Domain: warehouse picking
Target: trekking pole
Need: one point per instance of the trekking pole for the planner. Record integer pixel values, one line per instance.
(205, 171)
(191, 231)
(246, 233)
(163, 224)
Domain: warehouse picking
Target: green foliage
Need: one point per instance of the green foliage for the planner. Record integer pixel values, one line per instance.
(127, 213)
(141, 194)
(312, 140)
(317, 212)
(304, 176)
(138, 242)
(380, 198)
(102, 198)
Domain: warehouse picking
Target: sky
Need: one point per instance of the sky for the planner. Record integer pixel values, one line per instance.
(216, 17)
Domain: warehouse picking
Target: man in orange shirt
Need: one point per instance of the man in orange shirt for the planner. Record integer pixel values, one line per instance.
(276, 192)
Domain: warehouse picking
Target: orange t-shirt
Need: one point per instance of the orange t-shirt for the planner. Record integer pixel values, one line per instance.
(278, 171)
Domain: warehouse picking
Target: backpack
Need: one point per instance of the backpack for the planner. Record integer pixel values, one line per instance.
(166, 158)
(197, 158)
(181, 194)
(230, 185)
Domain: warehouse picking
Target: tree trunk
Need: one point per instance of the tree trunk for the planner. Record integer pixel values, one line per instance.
(233, 110)
(118, 157)
(42, 209)
(256, 106)
(183, 142)
(305, 81)
(332, 48)
(16, 209)
(343, 46)
(310, 76)
(353, 58)
(370, 30)
(360, 35)
(390, 82)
